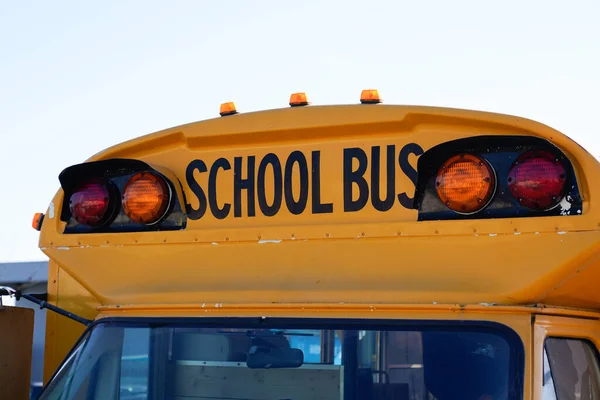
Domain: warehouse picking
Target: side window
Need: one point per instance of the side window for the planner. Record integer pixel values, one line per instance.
(135, 364)
(571, 370)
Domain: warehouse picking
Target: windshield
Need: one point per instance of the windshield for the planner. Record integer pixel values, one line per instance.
(291, 359)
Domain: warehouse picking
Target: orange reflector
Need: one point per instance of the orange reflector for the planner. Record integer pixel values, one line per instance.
(370, 96)
(146, 198)
(38, 218)
(298, 99)
(227, 109)
(465, 183)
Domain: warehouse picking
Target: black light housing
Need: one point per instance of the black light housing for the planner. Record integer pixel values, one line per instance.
(93, 198)
(547, 187)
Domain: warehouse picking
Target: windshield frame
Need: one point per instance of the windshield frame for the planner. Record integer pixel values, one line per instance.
(517, 348)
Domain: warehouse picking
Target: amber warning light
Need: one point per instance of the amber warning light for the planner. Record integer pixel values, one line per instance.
(146, 198)
(465, 183)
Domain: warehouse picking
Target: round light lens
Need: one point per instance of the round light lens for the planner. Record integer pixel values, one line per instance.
(146, 198)
(89, 203)
(537, 180)
(465, 183)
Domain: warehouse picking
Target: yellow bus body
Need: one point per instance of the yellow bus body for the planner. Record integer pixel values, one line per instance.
(364, 264)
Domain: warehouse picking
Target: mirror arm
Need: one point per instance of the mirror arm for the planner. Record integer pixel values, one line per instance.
(40, 300)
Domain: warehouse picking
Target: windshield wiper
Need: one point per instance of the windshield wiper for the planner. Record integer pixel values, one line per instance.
(41, 300)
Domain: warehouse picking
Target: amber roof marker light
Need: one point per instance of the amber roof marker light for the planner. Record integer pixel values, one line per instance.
(228, 109)
(465, 183)
(298, 100)
(370, 96)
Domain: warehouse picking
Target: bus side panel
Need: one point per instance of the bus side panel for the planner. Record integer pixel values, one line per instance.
(577, 289)
(62, 333)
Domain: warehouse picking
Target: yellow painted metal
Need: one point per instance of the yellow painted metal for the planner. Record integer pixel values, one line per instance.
(444, 269)
(305, 310)
(62, 333)
(16, 341)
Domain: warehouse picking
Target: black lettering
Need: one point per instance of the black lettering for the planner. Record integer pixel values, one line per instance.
(240, 184)
(378, 204)
(195, 213)
(296, 207)
(317, 206)
(356, 177)
(409, 171)
(219, 213)
(270, 210)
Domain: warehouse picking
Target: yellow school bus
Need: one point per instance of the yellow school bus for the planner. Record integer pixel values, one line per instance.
(350, 252)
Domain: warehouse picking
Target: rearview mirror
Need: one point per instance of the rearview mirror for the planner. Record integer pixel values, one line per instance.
(274, 357)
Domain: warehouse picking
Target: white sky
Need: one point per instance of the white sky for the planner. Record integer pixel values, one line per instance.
(77, 77)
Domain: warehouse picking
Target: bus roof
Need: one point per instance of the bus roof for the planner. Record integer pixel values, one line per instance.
(327, 248)
(318, 122)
